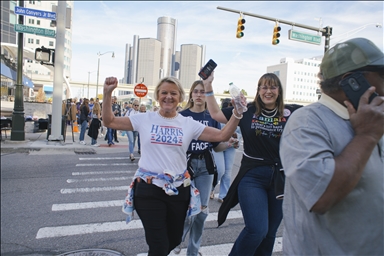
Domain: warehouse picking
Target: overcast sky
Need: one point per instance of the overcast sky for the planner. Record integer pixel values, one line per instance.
(101, 26)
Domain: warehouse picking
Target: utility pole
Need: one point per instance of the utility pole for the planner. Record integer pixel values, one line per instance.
(18, 122)
(56, 121)
(326, 32)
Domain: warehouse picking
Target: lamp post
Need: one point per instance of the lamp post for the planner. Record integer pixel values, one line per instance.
(89, 73)
(98, 68)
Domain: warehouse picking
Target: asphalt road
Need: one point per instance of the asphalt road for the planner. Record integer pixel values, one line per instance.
(55, 202)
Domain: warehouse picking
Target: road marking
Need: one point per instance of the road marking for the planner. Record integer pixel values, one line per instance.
(98, 179)
(86, 205)
(103, 158)
(71, 230)
(95, 189)
(100, 172)
(222, 249)
(114, 164)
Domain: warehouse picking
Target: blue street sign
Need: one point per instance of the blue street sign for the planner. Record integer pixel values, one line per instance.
(36, 13)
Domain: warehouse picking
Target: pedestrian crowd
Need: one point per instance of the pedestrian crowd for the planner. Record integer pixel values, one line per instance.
(319, 166)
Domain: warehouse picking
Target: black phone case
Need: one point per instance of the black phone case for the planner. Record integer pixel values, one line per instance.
(354, 86)
(206, 71)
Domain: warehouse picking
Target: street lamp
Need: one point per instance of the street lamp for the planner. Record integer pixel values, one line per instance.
(89, 73)
(98, 68)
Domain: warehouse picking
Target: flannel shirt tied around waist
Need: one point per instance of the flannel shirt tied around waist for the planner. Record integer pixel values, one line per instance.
(168, 183)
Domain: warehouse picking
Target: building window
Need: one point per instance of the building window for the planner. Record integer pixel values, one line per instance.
(37, 41)
(31, 21)
(32, 2)
(38, 22)
(30, 40)
(50, 43)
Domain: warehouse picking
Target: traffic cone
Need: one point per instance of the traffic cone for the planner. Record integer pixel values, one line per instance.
(75, 128)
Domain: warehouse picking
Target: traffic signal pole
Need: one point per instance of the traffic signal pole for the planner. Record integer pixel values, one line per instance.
(326, 32)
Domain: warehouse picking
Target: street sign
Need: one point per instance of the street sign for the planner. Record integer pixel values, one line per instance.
(140, 90)
(33, 30)
(36, 13)
(304, 37)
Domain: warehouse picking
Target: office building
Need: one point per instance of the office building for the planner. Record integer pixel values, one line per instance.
(166, 34)
(148, 61)
(8, 20)
(299, 78)
(191, 59)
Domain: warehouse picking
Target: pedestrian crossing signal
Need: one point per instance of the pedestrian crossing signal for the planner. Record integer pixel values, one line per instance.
(240, 27)
(276, 35)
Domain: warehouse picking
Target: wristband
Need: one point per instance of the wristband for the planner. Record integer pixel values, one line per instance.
(237, 117)
(209, 93)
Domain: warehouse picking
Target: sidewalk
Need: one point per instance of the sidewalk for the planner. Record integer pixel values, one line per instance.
(38, 142)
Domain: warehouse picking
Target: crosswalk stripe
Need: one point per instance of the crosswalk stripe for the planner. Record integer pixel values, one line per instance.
(103, 158)
(70, 230)
(98, 179)
(95, 189)
(100, 172)
(86, 205)
(112, 164)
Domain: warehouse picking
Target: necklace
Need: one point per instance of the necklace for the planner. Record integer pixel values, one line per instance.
(269, 113)
(167, 118)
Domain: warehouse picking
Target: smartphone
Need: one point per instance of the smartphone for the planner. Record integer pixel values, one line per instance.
(354, 86)
(206, 71)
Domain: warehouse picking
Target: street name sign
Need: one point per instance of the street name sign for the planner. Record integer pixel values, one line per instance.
(140, 90)
(33, 30)
(36, 13)
(304, 37)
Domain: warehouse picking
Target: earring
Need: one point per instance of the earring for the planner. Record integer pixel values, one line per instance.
(191, 100)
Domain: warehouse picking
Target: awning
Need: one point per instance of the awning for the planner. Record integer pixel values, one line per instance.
(11, 74)
(48, 88)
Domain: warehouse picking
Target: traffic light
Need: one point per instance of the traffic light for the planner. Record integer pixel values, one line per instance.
(276, 35)
(240, 27)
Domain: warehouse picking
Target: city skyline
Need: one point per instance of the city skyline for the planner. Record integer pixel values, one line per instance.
(241, 61)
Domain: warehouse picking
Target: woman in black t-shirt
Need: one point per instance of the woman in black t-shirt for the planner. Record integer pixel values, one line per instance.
(256, 186)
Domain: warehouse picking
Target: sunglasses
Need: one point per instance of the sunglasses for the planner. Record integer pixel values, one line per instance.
(136, 105)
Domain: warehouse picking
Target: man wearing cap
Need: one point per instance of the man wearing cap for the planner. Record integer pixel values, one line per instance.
(333, 158)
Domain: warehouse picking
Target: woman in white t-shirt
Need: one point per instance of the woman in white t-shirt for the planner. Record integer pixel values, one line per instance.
(165, 136)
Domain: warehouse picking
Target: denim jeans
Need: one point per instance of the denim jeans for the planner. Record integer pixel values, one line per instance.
(162, 216)
(195, 224)
(110, 135)
(262, 213)
(132, 135)
(93, 141)
(83, 128)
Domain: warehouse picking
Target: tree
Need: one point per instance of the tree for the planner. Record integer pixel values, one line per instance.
(40, 97)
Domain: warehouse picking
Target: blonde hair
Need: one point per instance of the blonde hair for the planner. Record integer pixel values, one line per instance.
(96, 108)
(172, 80)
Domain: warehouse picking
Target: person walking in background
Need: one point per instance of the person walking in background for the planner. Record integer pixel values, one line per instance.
(93, 130)
(224, 160)
(333, 160)
(142, 109)
(116, 108)
(254, 186)
(132, 135)
(161, 188)
(202, 166)
(84, 111)
(91, 104)
(111, 132)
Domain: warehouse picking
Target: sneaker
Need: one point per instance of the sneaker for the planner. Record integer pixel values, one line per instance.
(220, 200)
(82, 142)
(212, 195)
(95, 145)
(177, 250)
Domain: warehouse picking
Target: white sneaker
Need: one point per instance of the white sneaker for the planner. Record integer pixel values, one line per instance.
(177, 249)
(82, 142)
(95, 145)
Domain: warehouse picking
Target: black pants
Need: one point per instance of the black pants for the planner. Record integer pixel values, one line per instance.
(115, 135)
(162, 216)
